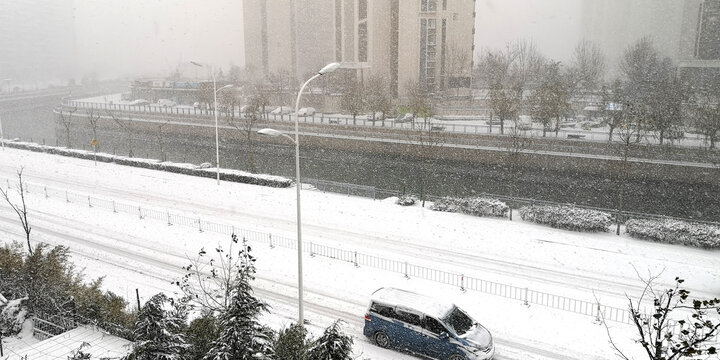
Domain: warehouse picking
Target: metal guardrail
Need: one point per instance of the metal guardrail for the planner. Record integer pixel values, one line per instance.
(525, 295)
(362, 121)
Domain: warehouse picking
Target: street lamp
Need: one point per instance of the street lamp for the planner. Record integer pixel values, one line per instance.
(217, 141)
(2, 137)
(7, 82)
(272, 132)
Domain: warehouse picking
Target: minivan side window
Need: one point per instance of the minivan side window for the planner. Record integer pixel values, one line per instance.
(383, 310)
(410, 318)
(434, 326)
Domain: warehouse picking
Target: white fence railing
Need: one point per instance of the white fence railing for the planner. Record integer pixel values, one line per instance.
(525, 295)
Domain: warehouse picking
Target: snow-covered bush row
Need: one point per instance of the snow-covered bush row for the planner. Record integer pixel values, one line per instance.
(446, 204)
(567, 217)
(482, 206)
(187, 169)
(675, 232)
(478, 206)
(406, 200)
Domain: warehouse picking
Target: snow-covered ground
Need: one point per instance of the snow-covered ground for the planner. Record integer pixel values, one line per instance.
(147, 254)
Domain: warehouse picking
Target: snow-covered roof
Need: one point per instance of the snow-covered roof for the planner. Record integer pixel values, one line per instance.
(102, 346)
(410, 300)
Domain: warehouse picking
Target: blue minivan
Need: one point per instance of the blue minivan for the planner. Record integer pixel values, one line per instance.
(419, 324)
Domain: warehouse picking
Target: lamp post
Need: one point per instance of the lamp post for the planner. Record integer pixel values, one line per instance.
(7, 82)
(2, 136)
(272, 132)
(217, 140)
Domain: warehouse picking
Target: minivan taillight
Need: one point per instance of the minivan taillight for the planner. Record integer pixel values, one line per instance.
(367, 317)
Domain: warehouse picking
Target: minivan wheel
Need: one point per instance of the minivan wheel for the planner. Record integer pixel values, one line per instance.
(456, 357)
(382, 340)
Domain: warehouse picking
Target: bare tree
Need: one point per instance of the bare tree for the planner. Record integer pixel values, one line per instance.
(677, 327)
(587, 66)
(627, 140)
(504, 97)
(549, 100)
(515, 158)
(210, 280)
(21, 208)
(247, 121)
(65, 117)
(612, 100)
(420, 102)
(160, 136)
(354, 96)
(93, 118)
(457, 67)
(428, 137)
(128, 127)
(705, 112)
(378, 97)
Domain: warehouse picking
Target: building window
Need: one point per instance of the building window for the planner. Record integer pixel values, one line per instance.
(338, 31)
(362, 42)
(362, 9)
(428, 45)
(428, 5)
(362, 31)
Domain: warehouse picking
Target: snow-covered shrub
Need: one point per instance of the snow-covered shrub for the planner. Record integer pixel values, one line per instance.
(567, 217)
(406, 200)
(675, 232)
(477, 206)
(187, 169)
(482, 206)
(12, 316)
(446, 204)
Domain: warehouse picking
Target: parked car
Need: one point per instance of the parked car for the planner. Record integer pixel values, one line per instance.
(524, 122)
(166, 103)
(282, 110)
(139, 102)
(408, 117)
(422, 325)
(308, 111)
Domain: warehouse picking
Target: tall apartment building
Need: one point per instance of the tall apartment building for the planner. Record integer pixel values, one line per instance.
(700, 49)
(37, 42)
(687, 31)
(425, 41)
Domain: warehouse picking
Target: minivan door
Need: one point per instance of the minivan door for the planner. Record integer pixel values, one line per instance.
(436, 339)
(411, 335)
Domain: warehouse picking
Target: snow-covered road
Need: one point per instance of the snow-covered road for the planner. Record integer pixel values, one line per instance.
(515, 253)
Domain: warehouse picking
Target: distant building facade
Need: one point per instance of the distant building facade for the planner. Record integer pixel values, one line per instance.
(686, 31)
(425, 41)
(700, 49)
(37, 42)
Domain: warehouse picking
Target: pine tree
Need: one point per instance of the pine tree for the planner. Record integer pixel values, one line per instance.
(332, 345)
(242, 337)
(158, 332)
(292, 343)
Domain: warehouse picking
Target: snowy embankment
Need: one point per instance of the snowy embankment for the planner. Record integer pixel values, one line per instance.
(147, 254)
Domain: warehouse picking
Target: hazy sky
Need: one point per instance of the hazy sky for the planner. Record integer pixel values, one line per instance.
(151, 37)
(553, 25)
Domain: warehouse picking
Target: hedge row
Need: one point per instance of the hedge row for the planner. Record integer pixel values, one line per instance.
(567, 217)
(186, 169)
(675, 232)
(477, 206)
(406, 200)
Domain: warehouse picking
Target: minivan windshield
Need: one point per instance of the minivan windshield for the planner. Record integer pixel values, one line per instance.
(458, 321)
